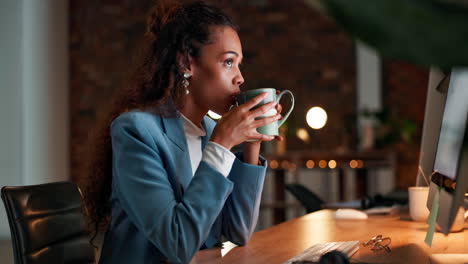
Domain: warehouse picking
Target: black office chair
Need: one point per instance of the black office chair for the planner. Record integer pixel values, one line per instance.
(307, 198)
(47, 224)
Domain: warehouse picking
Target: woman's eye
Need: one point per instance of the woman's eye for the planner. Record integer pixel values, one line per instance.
(228, 62)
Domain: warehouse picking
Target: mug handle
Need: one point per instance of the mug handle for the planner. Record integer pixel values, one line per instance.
(285, 117)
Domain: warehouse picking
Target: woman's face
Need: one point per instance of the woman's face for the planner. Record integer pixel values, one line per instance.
(216, 76)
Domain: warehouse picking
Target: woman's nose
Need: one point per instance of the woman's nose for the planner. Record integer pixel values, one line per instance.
(239, 80)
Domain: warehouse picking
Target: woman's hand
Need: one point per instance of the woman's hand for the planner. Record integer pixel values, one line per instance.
(239, 124)
(251, 150)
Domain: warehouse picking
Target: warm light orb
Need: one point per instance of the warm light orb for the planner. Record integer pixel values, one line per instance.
(310, 164)
(316, 117)
(332, 164)
(303, 135)
(274, 164)
(213, 115)
(353, 164)
(323, 164)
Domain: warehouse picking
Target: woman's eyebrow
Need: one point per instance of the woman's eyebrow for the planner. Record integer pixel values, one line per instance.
(231, 52)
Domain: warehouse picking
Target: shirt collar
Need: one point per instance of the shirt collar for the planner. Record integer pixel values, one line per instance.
(192, 129)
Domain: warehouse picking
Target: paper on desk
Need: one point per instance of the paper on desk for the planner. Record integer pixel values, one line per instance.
(382, 210)
(431, 220)
(227, 246)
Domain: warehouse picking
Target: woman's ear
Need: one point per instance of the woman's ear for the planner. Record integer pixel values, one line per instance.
(185, 63)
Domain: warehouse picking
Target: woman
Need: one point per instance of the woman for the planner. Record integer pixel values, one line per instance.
(163, 178)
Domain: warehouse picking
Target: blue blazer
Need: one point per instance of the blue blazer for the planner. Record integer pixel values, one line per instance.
(159, 211)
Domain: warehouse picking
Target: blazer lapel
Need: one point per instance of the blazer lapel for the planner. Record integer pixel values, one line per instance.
(181, 158)
(175, 133)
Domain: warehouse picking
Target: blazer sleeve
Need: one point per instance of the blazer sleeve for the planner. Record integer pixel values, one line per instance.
(240, 213)
(177, 227)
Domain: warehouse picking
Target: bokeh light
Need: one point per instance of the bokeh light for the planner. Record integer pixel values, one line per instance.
(310, 164)
(274, 164)
(303, 135)
(353, 164)
(323, 164)
(316, 117)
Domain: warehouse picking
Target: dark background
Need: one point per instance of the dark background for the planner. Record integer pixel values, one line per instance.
(286, 45)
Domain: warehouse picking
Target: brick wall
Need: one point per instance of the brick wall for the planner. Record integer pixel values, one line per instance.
(286, 45)
(103, 37)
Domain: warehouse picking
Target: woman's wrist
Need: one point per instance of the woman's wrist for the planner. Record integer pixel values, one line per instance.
(251, 152)
(221, 142)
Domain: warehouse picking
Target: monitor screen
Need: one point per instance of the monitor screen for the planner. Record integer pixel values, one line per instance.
(453, 125)
(450, 159)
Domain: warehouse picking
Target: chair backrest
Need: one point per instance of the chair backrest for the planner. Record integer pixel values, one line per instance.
(47, 224)
(306, 197)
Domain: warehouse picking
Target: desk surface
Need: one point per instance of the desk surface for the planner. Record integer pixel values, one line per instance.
(281, 242)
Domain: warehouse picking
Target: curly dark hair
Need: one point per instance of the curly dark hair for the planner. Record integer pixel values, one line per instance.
(174, 32)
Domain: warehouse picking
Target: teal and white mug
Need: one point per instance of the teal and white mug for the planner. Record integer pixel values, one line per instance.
(271, 129)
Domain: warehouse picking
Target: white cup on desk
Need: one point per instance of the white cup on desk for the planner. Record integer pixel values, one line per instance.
(417, 202)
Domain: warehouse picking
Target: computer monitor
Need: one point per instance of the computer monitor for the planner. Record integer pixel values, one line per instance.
(444, 146)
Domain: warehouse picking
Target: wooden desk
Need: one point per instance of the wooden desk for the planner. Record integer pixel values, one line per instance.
(281, 242)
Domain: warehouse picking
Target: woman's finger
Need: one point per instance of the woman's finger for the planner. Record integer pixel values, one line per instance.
(262, 137)
(267, 120)
(262, 110)
(254, 101)
(279, 138)
(267, 138)
(279, 108)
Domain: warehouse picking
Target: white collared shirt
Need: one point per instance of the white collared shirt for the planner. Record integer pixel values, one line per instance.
(214, 154)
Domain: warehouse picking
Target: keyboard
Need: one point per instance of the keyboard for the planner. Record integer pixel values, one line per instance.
(314, 253)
